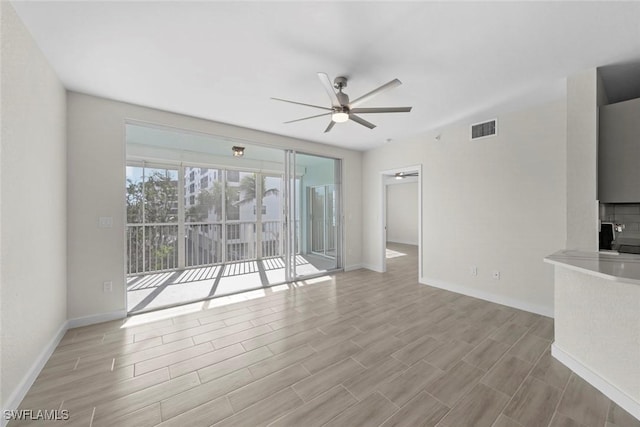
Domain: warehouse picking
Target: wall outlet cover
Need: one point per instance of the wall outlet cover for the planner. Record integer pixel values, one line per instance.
(105, 222)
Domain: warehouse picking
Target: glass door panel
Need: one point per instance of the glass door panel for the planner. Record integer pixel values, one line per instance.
(271, 216)
(152, 219)
(314, 213)
(241, 213)
(203, 216)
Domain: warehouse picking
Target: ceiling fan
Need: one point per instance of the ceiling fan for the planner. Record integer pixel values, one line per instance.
(342, 109)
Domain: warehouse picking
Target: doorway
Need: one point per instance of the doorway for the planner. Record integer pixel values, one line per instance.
(401, 215)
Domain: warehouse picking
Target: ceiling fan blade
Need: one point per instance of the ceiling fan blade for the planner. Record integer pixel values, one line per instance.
(330, 126)
(367, 96)
(362, 121)
(381, 110)
(301, 103)
(307, 118)
(328, 86)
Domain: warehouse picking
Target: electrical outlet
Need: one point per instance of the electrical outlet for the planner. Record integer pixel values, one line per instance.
(107, 286)
(473, 270)
(496, 275)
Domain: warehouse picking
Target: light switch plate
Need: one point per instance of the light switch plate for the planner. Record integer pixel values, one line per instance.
(105, 222)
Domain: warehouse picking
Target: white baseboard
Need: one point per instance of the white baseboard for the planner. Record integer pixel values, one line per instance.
(23, 387)
(488, 296)
(623, 400)
(403, 242)
(353, 267)
(96, 318)
(375, 268)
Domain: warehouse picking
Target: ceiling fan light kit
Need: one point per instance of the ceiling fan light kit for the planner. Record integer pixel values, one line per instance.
(340, 117)
(341, 109)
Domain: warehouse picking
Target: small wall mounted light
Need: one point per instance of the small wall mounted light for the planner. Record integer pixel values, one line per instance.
(399, 175)
(237, 151)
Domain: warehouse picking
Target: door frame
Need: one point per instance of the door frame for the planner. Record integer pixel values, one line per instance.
(383, 214)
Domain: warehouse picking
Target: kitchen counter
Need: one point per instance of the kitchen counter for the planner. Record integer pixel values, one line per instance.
(610, 265)
(597, 321)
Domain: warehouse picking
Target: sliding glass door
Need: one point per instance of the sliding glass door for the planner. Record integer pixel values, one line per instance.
(313, 208)
(202, 223)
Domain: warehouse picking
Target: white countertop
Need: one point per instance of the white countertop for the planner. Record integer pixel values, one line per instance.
(610, 266)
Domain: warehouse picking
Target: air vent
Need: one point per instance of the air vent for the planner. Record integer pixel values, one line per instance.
(485, 129)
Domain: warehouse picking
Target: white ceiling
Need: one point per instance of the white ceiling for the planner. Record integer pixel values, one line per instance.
(224, 60)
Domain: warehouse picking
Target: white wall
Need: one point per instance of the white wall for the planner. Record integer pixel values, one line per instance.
(33, 209)
(402, 213)
(582, 152)
(96, 182)
(497, 203)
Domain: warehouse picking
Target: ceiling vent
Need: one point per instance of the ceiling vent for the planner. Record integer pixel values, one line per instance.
(484, 129)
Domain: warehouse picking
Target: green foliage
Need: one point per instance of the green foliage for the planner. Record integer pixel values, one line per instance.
(159, 195)
(205, 203)
(231, 194)
(248, 189)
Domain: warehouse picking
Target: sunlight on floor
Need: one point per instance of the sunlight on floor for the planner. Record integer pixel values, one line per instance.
(394, 254)
(147, 292)
(316, 280)
(153, 316)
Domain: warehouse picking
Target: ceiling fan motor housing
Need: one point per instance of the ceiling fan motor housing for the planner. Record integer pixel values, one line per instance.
(340, 82)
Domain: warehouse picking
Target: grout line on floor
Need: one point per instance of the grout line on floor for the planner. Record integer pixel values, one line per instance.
(564, 390)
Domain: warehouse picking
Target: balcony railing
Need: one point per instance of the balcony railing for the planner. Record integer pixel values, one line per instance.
(153, 248)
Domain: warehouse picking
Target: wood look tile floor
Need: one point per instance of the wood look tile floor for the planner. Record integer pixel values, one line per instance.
(351, 349)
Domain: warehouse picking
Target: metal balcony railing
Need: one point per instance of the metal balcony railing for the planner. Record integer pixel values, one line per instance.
(157, 247)
(151, 247)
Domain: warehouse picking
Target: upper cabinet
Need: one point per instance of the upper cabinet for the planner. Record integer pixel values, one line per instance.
(619, 153)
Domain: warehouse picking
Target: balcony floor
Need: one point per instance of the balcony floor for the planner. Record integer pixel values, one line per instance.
(156, 290)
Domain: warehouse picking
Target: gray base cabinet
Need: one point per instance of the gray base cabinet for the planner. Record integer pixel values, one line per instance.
(619, 153)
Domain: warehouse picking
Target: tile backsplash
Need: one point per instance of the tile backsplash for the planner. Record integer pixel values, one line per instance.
(626, 213)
